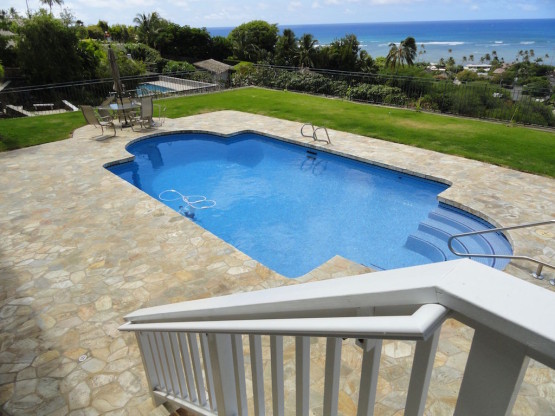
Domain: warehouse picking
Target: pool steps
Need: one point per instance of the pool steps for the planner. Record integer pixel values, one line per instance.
(430, 239)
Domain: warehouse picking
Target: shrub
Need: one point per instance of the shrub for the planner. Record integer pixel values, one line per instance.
(1, 72)
(177, 66)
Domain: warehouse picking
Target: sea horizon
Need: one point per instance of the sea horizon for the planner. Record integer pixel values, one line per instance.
(442, 38)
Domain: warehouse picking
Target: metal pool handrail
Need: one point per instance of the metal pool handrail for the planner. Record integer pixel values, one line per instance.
(540, 263)
(314, 135)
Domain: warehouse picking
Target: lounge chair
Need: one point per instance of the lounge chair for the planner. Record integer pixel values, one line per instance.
(92, 118)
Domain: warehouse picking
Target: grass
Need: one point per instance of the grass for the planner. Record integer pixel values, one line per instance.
(16, 133)
(519, 148)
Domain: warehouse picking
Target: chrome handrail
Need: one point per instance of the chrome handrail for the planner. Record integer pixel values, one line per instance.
(314, 135)
(540, 263)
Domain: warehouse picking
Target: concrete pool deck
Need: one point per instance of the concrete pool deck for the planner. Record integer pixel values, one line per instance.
(80, 248)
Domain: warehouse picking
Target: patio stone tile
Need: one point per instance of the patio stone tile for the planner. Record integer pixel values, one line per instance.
(80, 249)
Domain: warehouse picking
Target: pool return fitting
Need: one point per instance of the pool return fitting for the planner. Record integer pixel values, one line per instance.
(314, 134)
(193, 202)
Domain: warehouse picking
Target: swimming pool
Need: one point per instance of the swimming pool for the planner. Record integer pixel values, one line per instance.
(293, 208)
(150, 89)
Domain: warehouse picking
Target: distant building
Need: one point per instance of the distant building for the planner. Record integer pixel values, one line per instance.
(478, 67)
(220, 70)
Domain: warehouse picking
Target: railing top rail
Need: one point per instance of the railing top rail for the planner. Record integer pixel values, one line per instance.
(418, 326)
(477, 295)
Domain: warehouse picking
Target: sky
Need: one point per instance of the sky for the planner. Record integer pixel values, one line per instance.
(229, 13)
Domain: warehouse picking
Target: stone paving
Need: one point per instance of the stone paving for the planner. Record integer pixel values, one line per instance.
(80, 248)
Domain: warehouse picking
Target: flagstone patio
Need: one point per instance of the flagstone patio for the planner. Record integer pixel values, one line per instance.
(80, 248)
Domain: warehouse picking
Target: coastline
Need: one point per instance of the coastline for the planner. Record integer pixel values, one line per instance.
(441, 39)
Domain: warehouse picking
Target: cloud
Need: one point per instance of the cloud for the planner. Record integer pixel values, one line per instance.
(294, 5)
(315, 5)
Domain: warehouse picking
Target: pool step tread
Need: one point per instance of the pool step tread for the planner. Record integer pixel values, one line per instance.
(425, 247)
(433, 233)
(439, 239)
(468, 223)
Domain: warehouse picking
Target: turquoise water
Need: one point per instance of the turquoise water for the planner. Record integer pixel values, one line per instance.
(152, 88)
(464, 38)
(286, 206)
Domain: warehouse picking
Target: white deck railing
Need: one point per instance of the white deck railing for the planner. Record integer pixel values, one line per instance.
(193, 351)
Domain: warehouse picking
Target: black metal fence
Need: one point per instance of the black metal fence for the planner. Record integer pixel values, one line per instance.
(475, 99)
(58, 98)
(479, 99)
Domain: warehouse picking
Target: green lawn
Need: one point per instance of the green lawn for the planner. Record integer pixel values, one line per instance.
(29, 131)
(520, 148)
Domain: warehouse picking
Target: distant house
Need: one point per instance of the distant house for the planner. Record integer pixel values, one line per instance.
(478, 67)
(220, 70)
(499, 71)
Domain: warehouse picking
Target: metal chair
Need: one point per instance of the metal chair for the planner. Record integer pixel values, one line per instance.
(93, 119)
(145, 114)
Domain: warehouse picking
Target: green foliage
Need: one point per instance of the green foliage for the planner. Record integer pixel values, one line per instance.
(378, 94)
(341, 54)
(8, 51)
(221, 48)
(121, 33)
(184, 42)
(142, 52)
(286, 49)
(1, 72)
(538, 87)
(47, 50)
(253, 40)
(94, 58)
(467, 76)
(148, 26)
(404, 53)
(177, 66)
(95, 32)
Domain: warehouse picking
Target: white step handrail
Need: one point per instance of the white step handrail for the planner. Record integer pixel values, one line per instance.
(406, 303)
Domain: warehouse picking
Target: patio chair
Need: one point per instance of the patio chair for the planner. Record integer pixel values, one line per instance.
(93, 119)
(144, 116)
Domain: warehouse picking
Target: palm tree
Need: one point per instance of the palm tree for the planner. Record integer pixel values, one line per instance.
(50, 3)
(307, 48)
(147, 27)
(471, 58)
(404, 53)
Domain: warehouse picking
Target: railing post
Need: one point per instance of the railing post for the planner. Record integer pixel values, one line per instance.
(493, 375)
(372, 351)
(422, 366)
(221, 358)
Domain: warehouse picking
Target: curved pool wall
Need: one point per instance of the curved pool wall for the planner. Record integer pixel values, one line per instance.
(292, 208)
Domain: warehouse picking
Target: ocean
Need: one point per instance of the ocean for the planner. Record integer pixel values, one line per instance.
(438, 40)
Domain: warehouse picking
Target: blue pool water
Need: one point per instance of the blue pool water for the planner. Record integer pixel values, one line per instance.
(286, 206)
(147, 88)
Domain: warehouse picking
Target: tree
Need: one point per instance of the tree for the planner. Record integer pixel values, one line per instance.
(148, 26)
(404, 53)
(47, 50)
(221, 48)
(306, 51)
(253, 39)
(286, 48)
(343, 54)
(50, 3)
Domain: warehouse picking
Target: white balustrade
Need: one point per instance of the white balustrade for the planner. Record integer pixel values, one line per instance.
(406, 304)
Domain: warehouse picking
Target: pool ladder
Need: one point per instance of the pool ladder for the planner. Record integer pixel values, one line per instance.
(314, 134)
